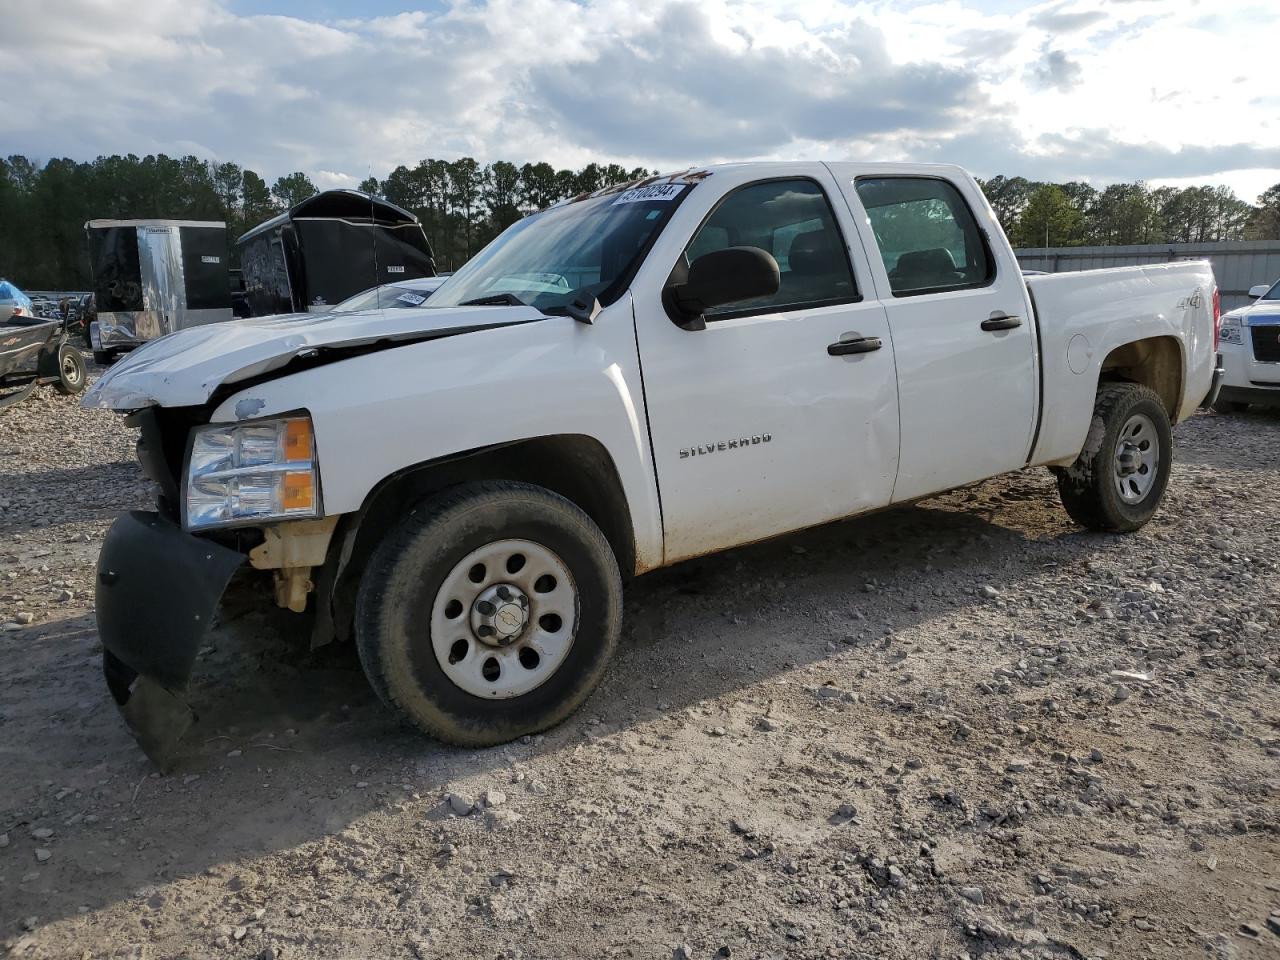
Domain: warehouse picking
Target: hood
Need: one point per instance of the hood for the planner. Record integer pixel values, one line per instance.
(185, 368)
(1260, 311)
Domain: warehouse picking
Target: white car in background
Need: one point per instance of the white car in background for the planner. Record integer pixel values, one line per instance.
(1250, 346)
(387, 296)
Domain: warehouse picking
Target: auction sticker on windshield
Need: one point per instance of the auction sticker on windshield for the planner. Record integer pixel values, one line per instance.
(412, 299)
(655, 191)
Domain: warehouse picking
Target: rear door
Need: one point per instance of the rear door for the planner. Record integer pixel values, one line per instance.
(963, 332)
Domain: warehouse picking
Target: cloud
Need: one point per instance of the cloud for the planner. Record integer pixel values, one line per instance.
(986, 43)
(674, 91)
(1057, 71)
(1058, 20)
(666, 83)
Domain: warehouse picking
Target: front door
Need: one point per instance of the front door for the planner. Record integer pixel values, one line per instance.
(962, 327)
(782, 412)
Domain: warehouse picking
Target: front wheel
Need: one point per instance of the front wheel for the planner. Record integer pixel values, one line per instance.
(489, 613)
(1120, 477)
(71, 370)
(1229, 406)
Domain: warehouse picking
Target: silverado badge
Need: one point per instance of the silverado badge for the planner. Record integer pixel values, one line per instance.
(736, 444)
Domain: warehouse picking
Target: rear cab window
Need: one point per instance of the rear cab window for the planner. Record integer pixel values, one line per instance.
(792, 220)
(929, 239)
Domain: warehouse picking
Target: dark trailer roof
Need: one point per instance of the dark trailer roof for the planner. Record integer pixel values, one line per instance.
(349, 205)
(329, 247)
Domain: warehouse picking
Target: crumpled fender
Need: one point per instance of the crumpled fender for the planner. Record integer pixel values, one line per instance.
(157, 590)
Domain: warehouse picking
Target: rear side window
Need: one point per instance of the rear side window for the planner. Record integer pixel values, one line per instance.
(792, 221)
(928, 238)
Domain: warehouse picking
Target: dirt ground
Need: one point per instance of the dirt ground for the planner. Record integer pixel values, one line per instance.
(959, 729)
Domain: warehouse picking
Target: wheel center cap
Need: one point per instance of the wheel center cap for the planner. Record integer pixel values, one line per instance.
(1129, 459)
(500, 614)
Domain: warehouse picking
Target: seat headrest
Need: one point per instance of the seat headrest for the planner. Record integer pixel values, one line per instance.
(925, 267)
(813, 253)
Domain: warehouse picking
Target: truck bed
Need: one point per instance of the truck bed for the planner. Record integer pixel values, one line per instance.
(1085, 317)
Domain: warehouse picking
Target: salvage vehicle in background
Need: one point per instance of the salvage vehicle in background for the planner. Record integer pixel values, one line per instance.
(34, 350)
(393, 296)
(638, 376)
(13, 302)
(152, 277)
(327, 248)
(1251, 352)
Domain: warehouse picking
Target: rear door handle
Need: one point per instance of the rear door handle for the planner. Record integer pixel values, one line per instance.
(1001, 321)
(862, 345)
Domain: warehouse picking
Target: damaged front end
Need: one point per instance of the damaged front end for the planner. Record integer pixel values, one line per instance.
(157, 590)
(160, 581)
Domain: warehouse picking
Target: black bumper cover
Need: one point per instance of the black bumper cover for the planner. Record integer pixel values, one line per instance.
(157, 590)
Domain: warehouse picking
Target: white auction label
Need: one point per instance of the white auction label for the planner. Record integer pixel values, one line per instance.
(655, 191)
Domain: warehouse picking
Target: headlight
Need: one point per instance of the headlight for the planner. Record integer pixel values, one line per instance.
(239, 473)
(1231, 331)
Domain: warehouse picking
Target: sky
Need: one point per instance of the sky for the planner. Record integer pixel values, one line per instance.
(1170, 91)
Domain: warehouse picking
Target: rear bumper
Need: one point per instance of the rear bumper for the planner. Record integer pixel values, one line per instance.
(1215, 385)
(1267, 395)
(157, 590)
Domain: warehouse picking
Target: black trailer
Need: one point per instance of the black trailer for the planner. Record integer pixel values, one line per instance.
(152, 277)
(327, 248)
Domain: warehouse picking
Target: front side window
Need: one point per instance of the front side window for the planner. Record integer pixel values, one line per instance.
(928, 238)
(792, 221)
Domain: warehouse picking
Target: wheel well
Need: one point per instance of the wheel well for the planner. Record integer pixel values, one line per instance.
(576, 467)
(1155, 362)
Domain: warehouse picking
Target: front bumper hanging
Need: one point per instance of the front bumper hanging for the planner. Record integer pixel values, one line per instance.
(158, 587)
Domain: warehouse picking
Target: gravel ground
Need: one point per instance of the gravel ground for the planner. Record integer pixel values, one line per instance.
(959, 729)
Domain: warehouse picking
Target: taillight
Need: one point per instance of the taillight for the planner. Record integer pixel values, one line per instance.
(1217, 317)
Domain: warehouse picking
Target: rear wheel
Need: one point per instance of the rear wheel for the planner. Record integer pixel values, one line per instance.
(1118, 481)
(489, 613)
(71, 370)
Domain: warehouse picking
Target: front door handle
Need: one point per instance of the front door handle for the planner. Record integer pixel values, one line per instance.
(1001, 321)
(862, 345)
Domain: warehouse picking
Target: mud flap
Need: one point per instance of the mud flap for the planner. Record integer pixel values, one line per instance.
(157, 590)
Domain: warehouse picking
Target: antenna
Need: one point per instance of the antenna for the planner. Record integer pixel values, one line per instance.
(373, 237)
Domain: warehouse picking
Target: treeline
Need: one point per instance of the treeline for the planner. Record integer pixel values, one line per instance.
(464, 204)
(1075, 214)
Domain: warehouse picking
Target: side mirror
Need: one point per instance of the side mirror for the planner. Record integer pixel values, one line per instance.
(1258, 290)
(726, 276)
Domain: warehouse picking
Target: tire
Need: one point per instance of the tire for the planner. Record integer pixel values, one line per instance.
(104, 358)
(415, 613)
(72, 372)
(1230, 406)
(1091, 487)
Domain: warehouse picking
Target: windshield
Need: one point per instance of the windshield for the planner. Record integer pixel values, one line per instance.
(1273, 293)
(385, 297)
(589, 248)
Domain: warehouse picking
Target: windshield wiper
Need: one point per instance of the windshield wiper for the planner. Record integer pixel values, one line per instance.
(495, 300)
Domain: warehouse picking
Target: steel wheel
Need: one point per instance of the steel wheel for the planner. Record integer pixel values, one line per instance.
(70, 369)
(1137, 458)
(504, 619)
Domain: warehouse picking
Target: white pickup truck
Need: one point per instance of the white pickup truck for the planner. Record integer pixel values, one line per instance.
(629, 379)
